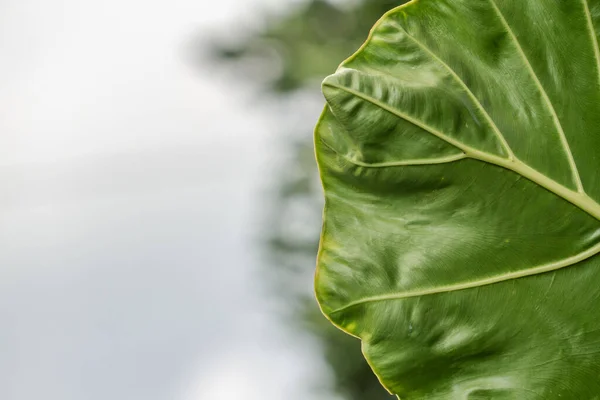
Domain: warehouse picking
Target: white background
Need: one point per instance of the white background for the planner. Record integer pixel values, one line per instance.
(129, 184)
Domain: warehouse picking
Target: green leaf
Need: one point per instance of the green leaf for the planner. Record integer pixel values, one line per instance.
(459, 152)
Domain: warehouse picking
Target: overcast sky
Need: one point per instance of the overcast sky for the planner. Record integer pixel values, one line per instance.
(129, 188)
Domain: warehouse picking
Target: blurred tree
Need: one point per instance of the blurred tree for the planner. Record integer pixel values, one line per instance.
(295, 50)
(310, 41)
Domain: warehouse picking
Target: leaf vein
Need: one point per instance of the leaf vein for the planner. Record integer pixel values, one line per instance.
(403, 163)
(471, 95)
(565, 262)
(578, 199)
(592, 31)
(557, 123)
(404, 116)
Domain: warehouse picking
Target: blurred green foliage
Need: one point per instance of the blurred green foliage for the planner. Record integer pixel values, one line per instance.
(311, 40)
(296, 50)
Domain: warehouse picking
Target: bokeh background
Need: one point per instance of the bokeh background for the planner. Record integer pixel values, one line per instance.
(159, 201)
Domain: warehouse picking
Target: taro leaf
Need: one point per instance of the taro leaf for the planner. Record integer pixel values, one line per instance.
(459, 152)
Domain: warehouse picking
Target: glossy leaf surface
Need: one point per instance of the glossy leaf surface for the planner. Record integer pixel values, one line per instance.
(460, 152)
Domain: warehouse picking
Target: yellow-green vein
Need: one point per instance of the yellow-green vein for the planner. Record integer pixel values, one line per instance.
(478, 283)
(578, 199)
(593, 36)
(561, 133)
